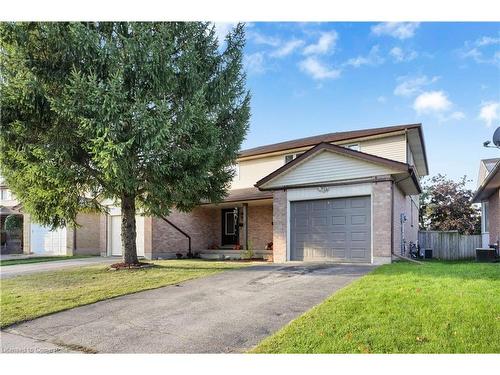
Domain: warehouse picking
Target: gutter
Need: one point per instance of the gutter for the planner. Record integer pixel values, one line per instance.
(180, 231)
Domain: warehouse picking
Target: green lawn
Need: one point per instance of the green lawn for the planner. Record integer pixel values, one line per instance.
(28, 297)
(12, 262)
(438, 307)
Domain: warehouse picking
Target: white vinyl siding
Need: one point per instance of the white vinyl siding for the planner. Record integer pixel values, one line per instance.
(393, 147)
(251, 170)
(327, 166)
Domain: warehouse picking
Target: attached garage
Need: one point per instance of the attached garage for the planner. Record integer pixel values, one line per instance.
(115, 238)
(46, 241)
(337, 229)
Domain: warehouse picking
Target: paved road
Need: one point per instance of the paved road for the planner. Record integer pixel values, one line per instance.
(228, 312)
(25, 269)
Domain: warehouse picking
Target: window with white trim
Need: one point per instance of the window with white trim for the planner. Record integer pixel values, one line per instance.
(290, 157)
(5, 194)
(486, 221)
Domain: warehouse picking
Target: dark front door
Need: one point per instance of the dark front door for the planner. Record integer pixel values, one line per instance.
(229, 226)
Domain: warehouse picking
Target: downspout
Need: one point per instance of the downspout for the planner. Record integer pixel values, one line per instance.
(180, 231)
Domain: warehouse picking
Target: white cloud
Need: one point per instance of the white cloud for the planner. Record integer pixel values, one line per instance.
(490, 112)
(288, 48)
(381, 99)
(432, 101)
(487, 41)
(412, 86)
(373, 58)
(317, 69)
(458, 115)
(325, 43)
(400, 55)
(254, 62)
(259, 38)
(399, 30)
(222, 29)
(483, 50)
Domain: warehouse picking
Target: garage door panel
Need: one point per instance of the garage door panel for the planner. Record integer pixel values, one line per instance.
(358, 253)
(331, 229)
(339, 220)
(358, 219)
(46, 241)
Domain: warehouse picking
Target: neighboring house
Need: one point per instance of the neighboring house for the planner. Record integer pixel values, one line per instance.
(39, 239)
(333, 197)
(11, 243)
(488, 194)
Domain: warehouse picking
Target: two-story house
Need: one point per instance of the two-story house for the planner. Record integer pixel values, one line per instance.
(346, 197)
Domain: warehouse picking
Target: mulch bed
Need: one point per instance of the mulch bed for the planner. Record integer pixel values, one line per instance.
(134, 266)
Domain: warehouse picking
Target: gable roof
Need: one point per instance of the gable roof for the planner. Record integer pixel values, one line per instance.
(414, 131)
(491, 181)
(490, 163)
(388, 163)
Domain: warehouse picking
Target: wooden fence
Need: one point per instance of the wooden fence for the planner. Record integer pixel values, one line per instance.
(449, 245)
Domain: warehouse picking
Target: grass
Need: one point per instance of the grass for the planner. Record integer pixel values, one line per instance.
(12, 262)
(28, 297)
(438, 307)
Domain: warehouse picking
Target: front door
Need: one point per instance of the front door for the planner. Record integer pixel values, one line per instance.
(229, 226)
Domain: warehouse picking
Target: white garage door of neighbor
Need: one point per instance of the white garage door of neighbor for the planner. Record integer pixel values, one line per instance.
(44, 240)
(116, 237)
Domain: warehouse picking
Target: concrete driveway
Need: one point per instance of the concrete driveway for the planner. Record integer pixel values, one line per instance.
(29, 268)
(224, 313)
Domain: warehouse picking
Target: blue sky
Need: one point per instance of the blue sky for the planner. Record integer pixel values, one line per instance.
(313, 78)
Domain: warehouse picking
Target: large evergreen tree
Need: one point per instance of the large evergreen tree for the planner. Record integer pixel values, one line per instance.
(148, 115)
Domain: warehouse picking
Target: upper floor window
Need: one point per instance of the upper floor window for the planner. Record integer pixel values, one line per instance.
(354, 146)
(290, 157)
(5, 194)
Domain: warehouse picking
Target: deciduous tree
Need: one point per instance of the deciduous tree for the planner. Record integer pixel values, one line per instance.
(447, 205)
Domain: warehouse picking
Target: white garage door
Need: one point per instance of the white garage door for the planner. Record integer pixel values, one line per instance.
(46, 241)
(116, 238)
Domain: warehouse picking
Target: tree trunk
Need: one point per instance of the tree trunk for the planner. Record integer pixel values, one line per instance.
(129, 247)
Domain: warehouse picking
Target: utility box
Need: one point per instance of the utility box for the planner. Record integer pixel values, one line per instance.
(428, 254)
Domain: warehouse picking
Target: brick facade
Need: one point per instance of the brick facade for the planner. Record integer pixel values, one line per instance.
(404, 205)
(260, 226)
(494, 216)
(279, 225)
(201, 224)
(381, 235)
(86, 240)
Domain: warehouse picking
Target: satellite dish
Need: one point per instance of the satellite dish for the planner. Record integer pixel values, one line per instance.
(496, 137)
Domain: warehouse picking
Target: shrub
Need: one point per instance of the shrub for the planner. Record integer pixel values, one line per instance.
(13, 223)
(248, 253)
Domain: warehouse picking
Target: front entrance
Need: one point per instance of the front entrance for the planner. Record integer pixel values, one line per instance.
(229, 226)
